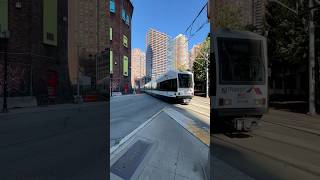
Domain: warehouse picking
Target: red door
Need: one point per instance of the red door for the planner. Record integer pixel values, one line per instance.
(52, 84)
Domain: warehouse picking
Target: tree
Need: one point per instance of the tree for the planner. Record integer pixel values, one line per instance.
(287, 34)
(199, 66)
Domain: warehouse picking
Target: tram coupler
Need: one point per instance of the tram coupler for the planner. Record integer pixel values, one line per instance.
(245, 124)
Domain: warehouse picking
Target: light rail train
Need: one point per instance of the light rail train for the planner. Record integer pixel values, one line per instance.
(174, 86)
(239, 84)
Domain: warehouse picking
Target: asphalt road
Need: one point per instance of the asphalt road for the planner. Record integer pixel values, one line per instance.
(282, 148)
(57, 142)
(129, 112)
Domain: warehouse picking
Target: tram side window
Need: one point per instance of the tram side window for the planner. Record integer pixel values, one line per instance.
(168, 85)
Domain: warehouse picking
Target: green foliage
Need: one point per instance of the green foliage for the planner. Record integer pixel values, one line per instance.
(199, 66)
(287, 34)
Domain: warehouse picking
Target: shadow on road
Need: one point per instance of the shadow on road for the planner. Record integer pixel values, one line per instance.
(238, 160)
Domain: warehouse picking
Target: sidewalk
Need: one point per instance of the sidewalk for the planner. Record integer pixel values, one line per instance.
(124, 95)
(54, 107)
(20, 102)
(162, 149)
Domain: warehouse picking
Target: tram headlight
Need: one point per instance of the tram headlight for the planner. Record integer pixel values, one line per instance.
(227, 101)
(260, 101)
(223, 102)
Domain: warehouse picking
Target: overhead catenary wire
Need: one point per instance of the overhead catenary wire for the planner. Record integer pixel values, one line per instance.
(189, 29)
(194, 20)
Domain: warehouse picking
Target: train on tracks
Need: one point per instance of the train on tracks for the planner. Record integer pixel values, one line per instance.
(173, 86)
(239, 83)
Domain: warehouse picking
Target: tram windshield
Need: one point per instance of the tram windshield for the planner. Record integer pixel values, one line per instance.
(240, 61)
(185, 80)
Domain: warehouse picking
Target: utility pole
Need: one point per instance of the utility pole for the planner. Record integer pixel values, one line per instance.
(98, 40)
(207, 78)
(78, 53)
(5, 37)
(312, 110)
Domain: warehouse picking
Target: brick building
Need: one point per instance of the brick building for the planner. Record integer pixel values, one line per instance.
(193, 54)
(100, 38)
(252, 12)
(37, 49)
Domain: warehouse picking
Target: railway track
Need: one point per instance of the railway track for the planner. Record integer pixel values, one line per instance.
(310, 131)
(196, 111)
(311, 169)
(285, 142)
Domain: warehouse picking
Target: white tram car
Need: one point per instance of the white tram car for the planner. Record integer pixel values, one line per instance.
(173, 86)
(239, 67)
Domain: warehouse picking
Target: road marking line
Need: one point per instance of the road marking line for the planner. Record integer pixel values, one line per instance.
(127, 137)
(189, 125)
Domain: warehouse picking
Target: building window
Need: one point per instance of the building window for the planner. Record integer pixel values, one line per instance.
(125, 65)
(128, 20)
(112, 6)
(111, 62)
(123, 15)
(110, 33)
(3, 16)
(125, 41)
(50, 22)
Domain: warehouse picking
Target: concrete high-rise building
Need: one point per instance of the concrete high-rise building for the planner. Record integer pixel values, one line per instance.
(181, 55)
(171, 65)
(193, 54)
(100, 39)
(157, 53)
(138, 67)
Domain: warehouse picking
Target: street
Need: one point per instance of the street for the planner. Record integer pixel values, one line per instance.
(55, 142)
(285, 146)
(128, 112)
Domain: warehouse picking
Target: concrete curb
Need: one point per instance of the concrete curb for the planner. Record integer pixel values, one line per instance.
(188, 125)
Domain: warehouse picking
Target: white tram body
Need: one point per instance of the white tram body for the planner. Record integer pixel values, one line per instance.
(174, 85)
(239, 61)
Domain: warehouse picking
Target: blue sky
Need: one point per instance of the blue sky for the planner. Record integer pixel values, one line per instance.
(169, 16)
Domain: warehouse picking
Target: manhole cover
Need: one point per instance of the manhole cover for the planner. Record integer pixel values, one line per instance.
(129, 162)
